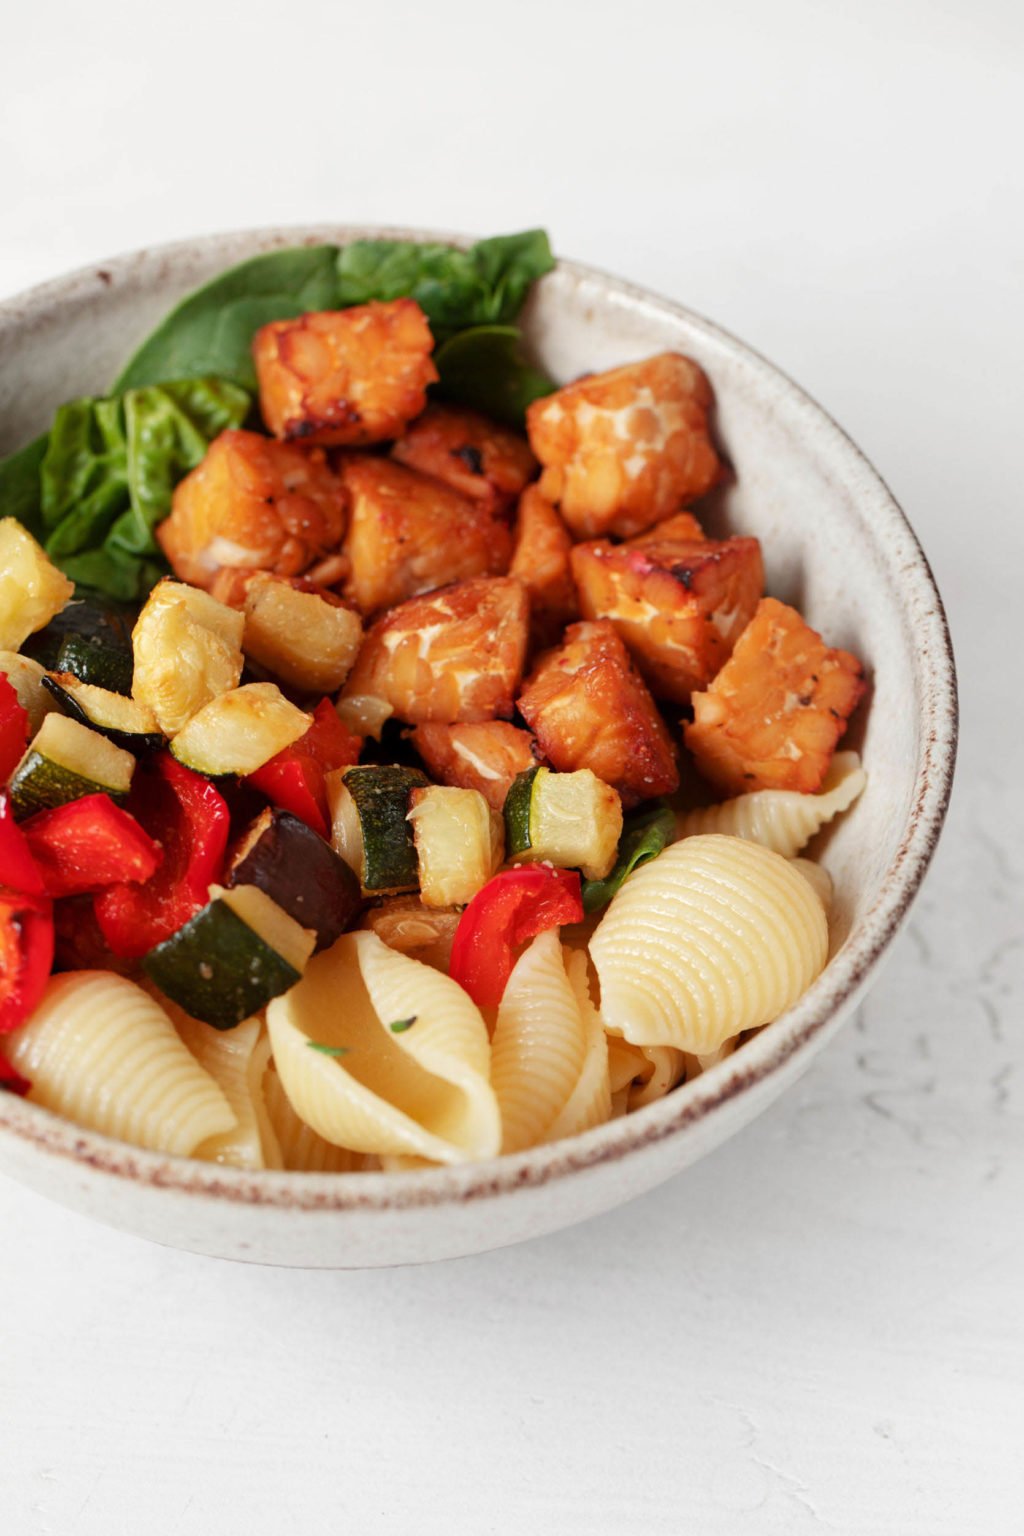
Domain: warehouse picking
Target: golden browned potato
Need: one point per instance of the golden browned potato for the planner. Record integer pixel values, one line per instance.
(253, 503)
(456, 654)
(409, 534)
(471, 453)
(773, 715)
(621, 450)
(301, 634)
(348, 376)
(679, 604)
(541, 561)
(487, 756)
(589, 708)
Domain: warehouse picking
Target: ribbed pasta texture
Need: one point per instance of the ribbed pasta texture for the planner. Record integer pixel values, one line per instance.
(549, 1060)
(300, 1149)
(228, 1055)
(104, 1054)
(781, 819)
(641, 1074)
(715, 936)
(422, 1090)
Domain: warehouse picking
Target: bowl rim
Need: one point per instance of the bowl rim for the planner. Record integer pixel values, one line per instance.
(799, 1030)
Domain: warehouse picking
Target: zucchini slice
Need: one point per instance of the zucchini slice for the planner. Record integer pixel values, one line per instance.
(572, 820)
(459, 843)
(293, 865)
(32, 590)
(229, 960)
(121, 719)
(64, 762)
(369, 825)
(26, 677)
(92, 638)
(240, 731)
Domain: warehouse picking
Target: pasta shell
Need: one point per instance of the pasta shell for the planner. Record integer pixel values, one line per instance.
(227, 1054)
(715, 936)
(299, 1147)
(422, 1092)
(781, 819)
(101, 1052)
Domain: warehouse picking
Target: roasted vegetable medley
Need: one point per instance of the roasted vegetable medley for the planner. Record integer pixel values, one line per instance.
(348, 672)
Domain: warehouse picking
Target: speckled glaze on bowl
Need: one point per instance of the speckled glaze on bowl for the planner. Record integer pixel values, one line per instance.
(835, 542)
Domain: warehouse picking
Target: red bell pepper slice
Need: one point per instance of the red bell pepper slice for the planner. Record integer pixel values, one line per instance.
(14, 729)
(187, 816)
(18, 870)
(26, 955)
(89, 844)
(507, 912)
(295, 779)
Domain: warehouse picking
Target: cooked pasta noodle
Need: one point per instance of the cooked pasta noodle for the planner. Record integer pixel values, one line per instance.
(590, 1102)
(781, 819)
(715, 936)
(642, 1074)
(227, 1054)
(104, 1054)
(819, 878)
(421, 1091)
(539, 1044)
(299, 1147)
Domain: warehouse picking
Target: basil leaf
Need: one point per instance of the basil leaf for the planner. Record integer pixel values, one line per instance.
(19, 486)
(400, 1026)
(328, 1050)
(112, 572)
(645, 834)
(86, 463)
(484, 367)
(211, 331)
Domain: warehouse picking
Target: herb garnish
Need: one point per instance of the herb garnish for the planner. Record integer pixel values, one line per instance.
(401, 1025)
(328, 1050)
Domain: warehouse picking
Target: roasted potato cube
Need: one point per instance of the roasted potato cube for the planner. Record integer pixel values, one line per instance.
(454, 655)
(589, 708)
(345, 377)
(540, 559)
(622, 450)
(487, 757)
(477, 457)
(409, 534)
(680, 605)
(773, 715)
(253, 503)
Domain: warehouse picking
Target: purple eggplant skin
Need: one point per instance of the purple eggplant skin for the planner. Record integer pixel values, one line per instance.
(295, 867)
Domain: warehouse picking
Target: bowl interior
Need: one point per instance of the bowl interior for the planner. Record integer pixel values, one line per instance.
(834, 542)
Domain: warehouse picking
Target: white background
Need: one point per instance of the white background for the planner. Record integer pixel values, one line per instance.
(820, 1328)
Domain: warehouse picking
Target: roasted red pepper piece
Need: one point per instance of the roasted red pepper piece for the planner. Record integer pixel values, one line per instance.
(507, 912)
(18, 870)
(26, 955)
(295, 778)
(187, 816)
(14, 729)
(89, 844)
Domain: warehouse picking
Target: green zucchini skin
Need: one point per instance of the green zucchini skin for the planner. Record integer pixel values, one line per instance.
(516, 811)
(381, 795)
(131, 741)
(90, 638)
(218, 969)
(39, 784)
(295, 867)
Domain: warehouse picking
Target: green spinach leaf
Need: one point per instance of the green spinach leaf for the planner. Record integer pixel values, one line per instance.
(211, 331)
(484, 367)
(19, 486)
(645, 834)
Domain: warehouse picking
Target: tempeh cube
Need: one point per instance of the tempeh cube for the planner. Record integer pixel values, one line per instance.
(773, 715)
(477, 457)
(486, 756)
(541, 560)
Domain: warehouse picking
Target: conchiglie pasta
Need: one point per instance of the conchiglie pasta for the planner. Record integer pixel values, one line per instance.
(104, 1054)
(549, 1063)
(423, 1091)
(642, 1074)
(236, 1062)
(781, 819)
(299, 1148)
(715, 936)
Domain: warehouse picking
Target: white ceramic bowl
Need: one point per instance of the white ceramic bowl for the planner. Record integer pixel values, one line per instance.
(835, 543)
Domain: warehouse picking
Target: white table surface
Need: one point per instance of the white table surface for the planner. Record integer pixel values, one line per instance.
(821, 1327)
